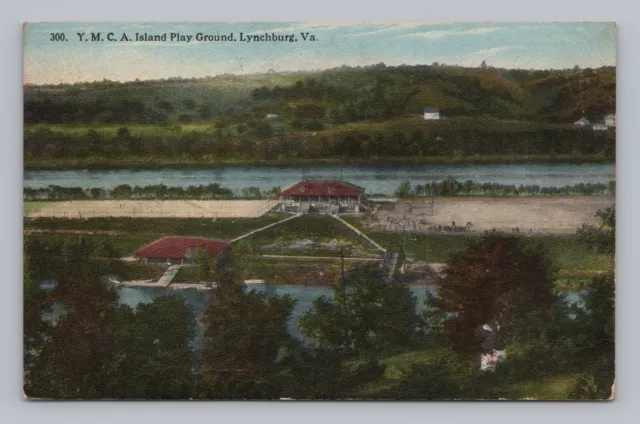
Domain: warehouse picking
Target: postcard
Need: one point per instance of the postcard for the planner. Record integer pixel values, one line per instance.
(319, 210)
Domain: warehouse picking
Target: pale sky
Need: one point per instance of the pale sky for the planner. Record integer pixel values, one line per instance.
(509, 45)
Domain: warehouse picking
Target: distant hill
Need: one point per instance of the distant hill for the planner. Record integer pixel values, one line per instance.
(313, 100)
(371, 114)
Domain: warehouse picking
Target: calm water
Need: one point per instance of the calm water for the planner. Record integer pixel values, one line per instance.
(375, 179)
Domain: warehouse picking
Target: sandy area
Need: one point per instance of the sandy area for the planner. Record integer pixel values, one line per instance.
(522, 214)
(156, 209)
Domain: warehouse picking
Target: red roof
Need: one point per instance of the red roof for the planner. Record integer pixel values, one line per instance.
(176, 247)
(323, 188)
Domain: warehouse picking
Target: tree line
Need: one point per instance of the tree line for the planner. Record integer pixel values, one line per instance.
(453, 187)
(125, 191)
(96, 348)
(465, 139)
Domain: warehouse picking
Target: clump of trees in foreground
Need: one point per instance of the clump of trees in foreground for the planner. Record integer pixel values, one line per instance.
(94, 348)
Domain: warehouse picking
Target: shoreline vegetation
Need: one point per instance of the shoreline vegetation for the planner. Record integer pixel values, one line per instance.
(444, 188)
(154, 162)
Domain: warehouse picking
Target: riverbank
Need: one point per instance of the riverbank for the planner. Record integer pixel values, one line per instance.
(151, 162)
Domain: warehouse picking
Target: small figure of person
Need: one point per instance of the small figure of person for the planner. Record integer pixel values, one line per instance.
(492, 348)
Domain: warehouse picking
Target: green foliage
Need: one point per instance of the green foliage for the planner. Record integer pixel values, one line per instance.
(244, 334)
(497, 276)
(452, 187)
(367, 315)
(153, 359)
(368, 113)
(602, 238)
(446, 378)
(586, 388)
(404, 190)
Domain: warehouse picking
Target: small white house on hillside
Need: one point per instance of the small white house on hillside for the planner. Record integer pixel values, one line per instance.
(582, 122)
(430, 114)
(272, 115)
(610, 120)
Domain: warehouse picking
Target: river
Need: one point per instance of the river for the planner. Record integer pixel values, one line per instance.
(375, 179)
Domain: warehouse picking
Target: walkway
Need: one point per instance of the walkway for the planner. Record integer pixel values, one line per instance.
(163, 281)
(266, 227)
(360, 233)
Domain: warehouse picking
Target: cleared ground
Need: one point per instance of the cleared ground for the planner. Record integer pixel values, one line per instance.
(550, 215)
(81, 209)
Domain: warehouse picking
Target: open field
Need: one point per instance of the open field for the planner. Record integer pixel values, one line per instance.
(211, 209)
(315, 235)
(128, 234)
(30, 207)
(546, 215)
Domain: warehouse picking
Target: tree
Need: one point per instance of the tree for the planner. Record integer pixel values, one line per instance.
(189, 103)
(263, 129)
(123, 133)
(205, 112)
(404, 190)
(96, 193)
(602, 238)
(483, 65)
(153, 358)
(71, 360)
(366, 315)
(89, 348)
(205, 266)
(123, 191)
(496, 276)
(245, 335)
(599, 309)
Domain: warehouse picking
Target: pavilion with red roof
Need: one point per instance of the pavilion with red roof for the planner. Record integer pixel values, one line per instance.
(179, 250)
(323, 197)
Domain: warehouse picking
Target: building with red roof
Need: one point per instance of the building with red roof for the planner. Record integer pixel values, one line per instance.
(322, 197)
(178, 250)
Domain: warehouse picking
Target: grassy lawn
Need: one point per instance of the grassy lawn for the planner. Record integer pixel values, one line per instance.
(317, 228)
(398, 369)
(575, 262)
(550, 388)
(186, 275)
(112, 129)
(129, 234)
(221, 228)
(34, 206)
(287, 272)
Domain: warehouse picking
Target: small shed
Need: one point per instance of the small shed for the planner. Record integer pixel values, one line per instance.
(600, 127)
(430, 114)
